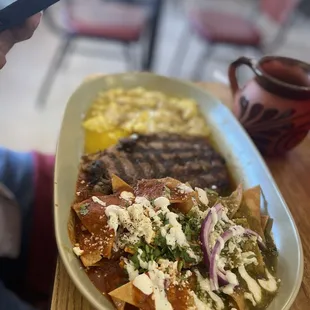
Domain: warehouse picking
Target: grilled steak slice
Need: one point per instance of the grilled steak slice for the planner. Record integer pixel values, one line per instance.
(186, 158)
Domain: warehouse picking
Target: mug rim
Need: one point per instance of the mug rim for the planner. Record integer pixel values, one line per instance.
(263, 74)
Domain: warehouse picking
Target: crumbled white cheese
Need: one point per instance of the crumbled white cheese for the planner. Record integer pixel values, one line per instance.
(215, 233)
(253, 286)
(158, 279)
(131, 270)
(221, 263)
(204, 285)
(134, 219)
(128, 196)
(237, 230)
(174, 234)
(143, 201)
(202, 195)
(188, 273)
(200, 305)
(231, 247)
(269, 285)
(200, 214)
(164, 263)
(171, 268)
(143, 283)
(228, 289)
(250, 297)
(97, 200)
(162, 203)
(184, 189)
(77, 251)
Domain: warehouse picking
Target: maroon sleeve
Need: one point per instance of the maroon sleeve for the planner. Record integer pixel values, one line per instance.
(42, 246)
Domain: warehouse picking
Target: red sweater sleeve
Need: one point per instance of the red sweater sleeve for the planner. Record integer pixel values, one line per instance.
(42, 246)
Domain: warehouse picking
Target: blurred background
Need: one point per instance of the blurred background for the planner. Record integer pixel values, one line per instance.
(190, 39)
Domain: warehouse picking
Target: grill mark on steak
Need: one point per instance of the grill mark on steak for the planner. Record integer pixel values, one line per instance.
(118, 166)
(144, 164)
(166, 137)
(187, 158)
(139, 164)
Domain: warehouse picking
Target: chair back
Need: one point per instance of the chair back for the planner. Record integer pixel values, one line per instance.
(278, 10)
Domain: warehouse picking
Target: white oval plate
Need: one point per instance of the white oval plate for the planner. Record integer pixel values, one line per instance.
(244, 161)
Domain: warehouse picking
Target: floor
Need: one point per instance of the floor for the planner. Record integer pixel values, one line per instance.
(24, 127)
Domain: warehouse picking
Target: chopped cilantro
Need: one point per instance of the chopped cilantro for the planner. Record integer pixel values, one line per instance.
(167, 192)
(180, 265)
(163, 219)
(84, 208)
(191, 225)
(158, 250)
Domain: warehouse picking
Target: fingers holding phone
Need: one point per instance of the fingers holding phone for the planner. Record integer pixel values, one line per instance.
(18, 21)
(17, 34)
(26, 30)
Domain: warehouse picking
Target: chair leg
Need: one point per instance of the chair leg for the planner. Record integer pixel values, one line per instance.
(52, 71)
(201, 62)
(129, 59)
(180, 54)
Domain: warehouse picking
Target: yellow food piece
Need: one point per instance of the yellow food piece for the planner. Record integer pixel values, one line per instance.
(119, 112)
(96, 141)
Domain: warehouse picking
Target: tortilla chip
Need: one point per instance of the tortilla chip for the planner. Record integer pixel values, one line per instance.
(268, 227)
(264, 220)
(169, 188)
(71, 229)
(150, 189)
(233, 202)
(239, 300)
(180, 298)
(90, 259)
(125, 293)
(250, 209)
(183, 206)
(119, 304)
(93, 218)
(181, 201)
(119, 185)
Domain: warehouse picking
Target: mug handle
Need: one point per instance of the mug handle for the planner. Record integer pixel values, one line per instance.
(250, 62)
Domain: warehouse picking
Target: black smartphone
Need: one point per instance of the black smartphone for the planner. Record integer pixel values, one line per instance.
(15, 12)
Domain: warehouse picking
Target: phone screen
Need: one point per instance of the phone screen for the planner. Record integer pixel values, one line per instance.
(15, 12)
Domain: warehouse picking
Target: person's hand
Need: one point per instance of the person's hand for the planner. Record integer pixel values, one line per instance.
(11, 36)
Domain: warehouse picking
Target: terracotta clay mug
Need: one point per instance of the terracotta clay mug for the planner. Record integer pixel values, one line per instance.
(274, 106)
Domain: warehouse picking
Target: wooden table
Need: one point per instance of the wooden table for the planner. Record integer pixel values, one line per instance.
(292, 174)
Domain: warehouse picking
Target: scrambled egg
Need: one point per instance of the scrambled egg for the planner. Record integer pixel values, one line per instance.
(119, 113)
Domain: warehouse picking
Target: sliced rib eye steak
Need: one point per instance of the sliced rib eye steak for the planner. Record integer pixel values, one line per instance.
(187, 158)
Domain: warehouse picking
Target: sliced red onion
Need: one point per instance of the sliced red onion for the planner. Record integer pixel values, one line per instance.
(260, 241)
(206, 228)
(219, 245)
